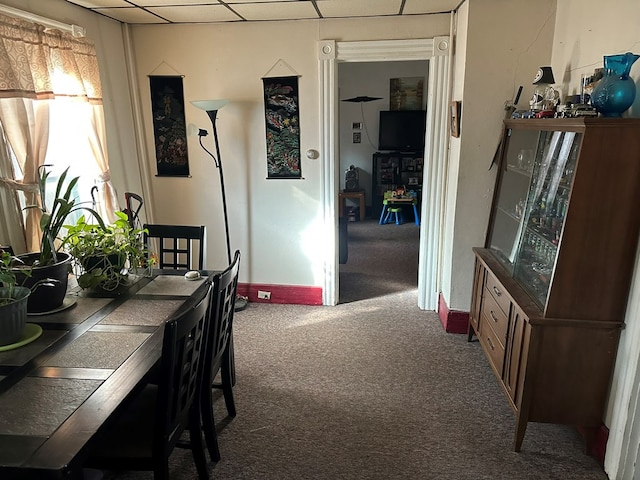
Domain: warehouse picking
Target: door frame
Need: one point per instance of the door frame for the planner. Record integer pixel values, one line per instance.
(437, 51)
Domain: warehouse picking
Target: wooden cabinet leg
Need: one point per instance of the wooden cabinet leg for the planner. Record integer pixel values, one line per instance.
(521, 427)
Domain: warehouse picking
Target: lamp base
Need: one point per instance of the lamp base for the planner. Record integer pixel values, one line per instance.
(240, 304)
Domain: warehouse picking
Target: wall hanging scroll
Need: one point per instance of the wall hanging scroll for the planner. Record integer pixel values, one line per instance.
(169, 126)
(283, 127)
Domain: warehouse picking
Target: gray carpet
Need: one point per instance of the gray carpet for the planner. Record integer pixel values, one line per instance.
(373, 389)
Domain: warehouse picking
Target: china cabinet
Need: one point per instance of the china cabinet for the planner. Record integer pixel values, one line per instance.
(551, 283)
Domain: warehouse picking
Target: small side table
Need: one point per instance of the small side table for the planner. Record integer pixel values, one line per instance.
(359, 195)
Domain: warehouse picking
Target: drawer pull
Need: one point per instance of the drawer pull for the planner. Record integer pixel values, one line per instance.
(490, 344)
(497, 292)
(493, 317)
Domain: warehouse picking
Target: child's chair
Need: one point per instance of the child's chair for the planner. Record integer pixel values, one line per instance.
(390, 211)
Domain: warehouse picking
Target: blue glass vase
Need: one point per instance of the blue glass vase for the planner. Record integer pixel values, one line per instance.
(615, 92)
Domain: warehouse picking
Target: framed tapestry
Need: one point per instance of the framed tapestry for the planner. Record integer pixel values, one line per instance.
(283, 127)
(169, 127)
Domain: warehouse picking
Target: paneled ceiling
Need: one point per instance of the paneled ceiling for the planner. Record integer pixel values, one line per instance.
(211, 11)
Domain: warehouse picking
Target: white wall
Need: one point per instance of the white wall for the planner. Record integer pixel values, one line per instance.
(502, 49)
(368, 79)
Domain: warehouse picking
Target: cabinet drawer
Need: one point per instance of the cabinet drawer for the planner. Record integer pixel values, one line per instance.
(495, 316)
(498, 292)
(492, 347)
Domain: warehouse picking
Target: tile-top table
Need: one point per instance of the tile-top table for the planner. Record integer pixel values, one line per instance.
(56, 392)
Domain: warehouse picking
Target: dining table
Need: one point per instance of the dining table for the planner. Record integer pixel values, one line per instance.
(76, 365)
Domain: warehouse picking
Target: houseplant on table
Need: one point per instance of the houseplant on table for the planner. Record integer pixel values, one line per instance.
(13, 302)
(105, 253)
(49, 264)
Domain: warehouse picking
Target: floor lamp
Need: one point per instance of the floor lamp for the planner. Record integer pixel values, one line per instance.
(212, 107)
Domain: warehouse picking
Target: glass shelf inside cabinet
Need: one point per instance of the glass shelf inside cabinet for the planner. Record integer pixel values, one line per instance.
(532, 201)
(546, 207)
(513, 187)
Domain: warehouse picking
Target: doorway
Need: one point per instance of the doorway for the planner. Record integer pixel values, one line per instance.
(381, 259)
(437, 51)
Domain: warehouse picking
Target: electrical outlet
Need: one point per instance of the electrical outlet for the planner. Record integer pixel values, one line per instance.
(264, 295)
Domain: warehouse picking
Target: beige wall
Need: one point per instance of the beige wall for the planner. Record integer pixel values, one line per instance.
(497, 49)
(276, 223)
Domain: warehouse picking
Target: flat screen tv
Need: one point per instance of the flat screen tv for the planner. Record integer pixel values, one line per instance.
(402, 130)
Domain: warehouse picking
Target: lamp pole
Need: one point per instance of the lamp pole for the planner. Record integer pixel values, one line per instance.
(212, 107)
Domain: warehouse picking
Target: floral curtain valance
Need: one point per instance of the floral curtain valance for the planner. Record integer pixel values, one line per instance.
(32, 57)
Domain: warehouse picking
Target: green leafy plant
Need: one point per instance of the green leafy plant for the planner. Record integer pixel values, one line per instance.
(55, 215)
(9, 264)
(105, 253)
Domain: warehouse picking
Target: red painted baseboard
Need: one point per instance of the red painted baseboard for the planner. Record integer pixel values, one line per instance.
(290, 294)
(453, 321)
(596, 442)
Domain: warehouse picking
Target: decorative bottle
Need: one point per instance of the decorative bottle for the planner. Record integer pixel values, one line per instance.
(615, 93)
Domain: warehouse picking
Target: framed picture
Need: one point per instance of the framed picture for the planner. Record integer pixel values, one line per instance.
(455, 110)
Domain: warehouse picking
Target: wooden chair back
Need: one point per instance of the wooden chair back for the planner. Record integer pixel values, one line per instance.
(219, 350)
(177, 245)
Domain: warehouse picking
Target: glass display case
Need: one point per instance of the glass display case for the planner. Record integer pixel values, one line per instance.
(531, 204)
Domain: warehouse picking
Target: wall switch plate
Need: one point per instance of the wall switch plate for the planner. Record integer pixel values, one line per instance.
(356, 126)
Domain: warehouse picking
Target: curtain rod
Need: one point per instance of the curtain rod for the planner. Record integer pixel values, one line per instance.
(75, 30)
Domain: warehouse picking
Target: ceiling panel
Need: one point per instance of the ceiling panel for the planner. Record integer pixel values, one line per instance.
(211, 11)
(100, 3)
(412, 7)
(196, 13)
(276, 10)
(358, 8)
(178, 3)
(130, 15)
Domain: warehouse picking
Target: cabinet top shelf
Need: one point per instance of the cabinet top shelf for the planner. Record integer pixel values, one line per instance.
(577, 124)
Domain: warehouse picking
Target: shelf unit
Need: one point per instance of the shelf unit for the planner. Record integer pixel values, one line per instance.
(551, 283)
(392, 170)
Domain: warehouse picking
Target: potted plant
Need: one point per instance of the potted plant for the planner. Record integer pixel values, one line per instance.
(105, 253)
(49, 265)
(13, 302)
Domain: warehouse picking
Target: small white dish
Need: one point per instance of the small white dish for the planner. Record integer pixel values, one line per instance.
(192, 275)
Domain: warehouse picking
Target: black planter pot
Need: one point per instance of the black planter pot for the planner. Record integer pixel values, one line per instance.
(13, 315)
(45, 298)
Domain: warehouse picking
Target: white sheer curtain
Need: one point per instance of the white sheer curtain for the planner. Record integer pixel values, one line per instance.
(40, 66)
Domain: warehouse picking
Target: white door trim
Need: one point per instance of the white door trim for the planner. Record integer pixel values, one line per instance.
(438, 51)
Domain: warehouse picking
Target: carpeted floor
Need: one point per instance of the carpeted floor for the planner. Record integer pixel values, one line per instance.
(373, 389)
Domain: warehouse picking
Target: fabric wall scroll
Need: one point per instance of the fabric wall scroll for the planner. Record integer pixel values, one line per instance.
(283, 127)
(169, 126)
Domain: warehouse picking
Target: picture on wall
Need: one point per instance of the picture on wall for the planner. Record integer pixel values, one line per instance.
(406, 93)
(283, 127)
(169, 127)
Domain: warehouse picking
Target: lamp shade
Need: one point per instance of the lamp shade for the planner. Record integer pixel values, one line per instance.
(544, 76)
(209, 105)
(361, 99)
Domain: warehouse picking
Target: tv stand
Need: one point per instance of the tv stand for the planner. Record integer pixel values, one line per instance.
(392, 170)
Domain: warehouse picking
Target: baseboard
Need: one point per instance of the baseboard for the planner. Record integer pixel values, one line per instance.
(453, 321)
(290, 294)
(596, 441)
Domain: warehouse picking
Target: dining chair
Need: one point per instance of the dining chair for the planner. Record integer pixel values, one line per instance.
(219, 351)
(177, 244)
(144, 435)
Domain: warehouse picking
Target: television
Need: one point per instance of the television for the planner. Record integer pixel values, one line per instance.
(402, 130)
